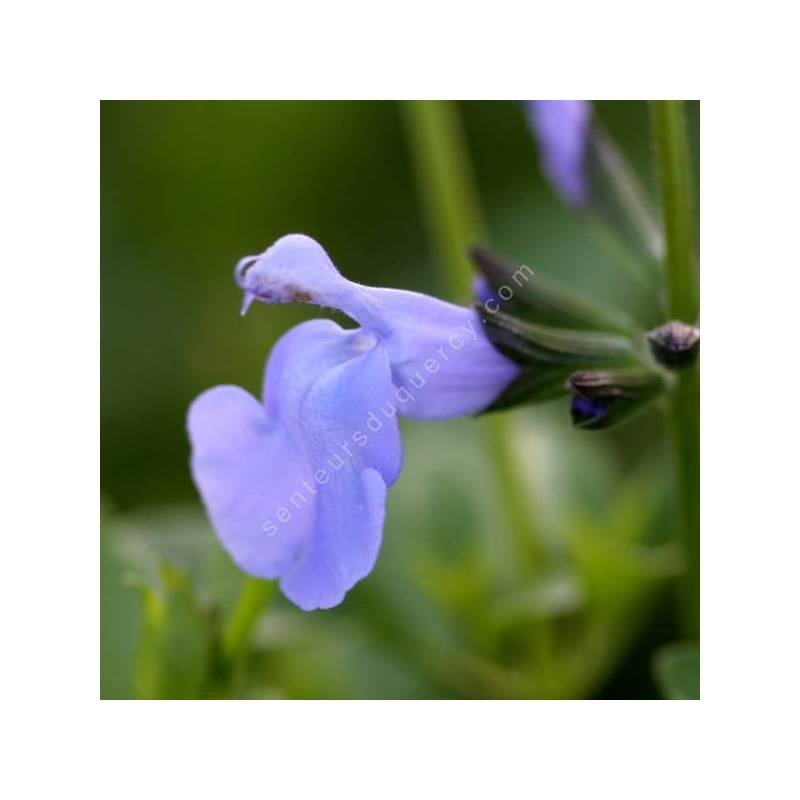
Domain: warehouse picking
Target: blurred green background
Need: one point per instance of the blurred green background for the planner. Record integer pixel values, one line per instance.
(187, 188)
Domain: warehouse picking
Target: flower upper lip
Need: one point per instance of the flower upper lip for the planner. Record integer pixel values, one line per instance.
(243, 266)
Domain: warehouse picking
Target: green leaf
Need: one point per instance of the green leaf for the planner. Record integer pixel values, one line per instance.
(181, 536)
(162, 570)
(120, 619)
(551, 595)
(175, 653)
(677, 671)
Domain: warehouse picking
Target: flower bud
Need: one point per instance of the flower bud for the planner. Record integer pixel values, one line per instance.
(533, 345)
(602, 399)
(516, 288)
(675, 345)
(547, 356)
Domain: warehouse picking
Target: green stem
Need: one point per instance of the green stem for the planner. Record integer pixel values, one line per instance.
(672, 150)
(253, 599)
(450, 199)
(686, 432)
(447, 187)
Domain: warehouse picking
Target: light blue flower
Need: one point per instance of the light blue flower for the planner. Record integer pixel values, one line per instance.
(561, 128)
(295, 485)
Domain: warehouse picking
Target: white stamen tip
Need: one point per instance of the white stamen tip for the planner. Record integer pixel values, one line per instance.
(246, 301)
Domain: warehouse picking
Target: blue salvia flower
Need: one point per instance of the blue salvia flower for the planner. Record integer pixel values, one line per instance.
(295, 485)
(561, 128)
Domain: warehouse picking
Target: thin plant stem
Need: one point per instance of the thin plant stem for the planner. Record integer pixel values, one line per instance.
(253, 599)
(686, 434)
(672, 151)
(447, 188)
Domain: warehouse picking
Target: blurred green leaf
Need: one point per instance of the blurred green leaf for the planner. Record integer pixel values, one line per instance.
(677, 670)
(181, 536)
(551, 595)
(175, 654)
(120, 620)
(328, 656)
(625, 566)
(160, 568)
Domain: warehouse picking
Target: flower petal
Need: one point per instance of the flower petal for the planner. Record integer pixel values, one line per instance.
(562, 130)
(300, 357)
(247, 469)
(295, 269)
(441, 360)
(296, 487)
(345, 543)
(353, 444)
